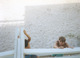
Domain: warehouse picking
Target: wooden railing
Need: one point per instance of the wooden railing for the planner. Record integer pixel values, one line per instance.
(20, 51)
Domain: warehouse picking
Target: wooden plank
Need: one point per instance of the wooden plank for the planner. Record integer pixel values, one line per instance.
(16, 42)
(22, 43)
(44, 52)
(7, 53)
(9, 56)
(18, 49)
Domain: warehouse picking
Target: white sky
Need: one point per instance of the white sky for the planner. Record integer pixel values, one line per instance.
(11, 10)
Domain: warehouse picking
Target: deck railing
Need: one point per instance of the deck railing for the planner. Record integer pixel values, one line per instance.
(20, 51)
